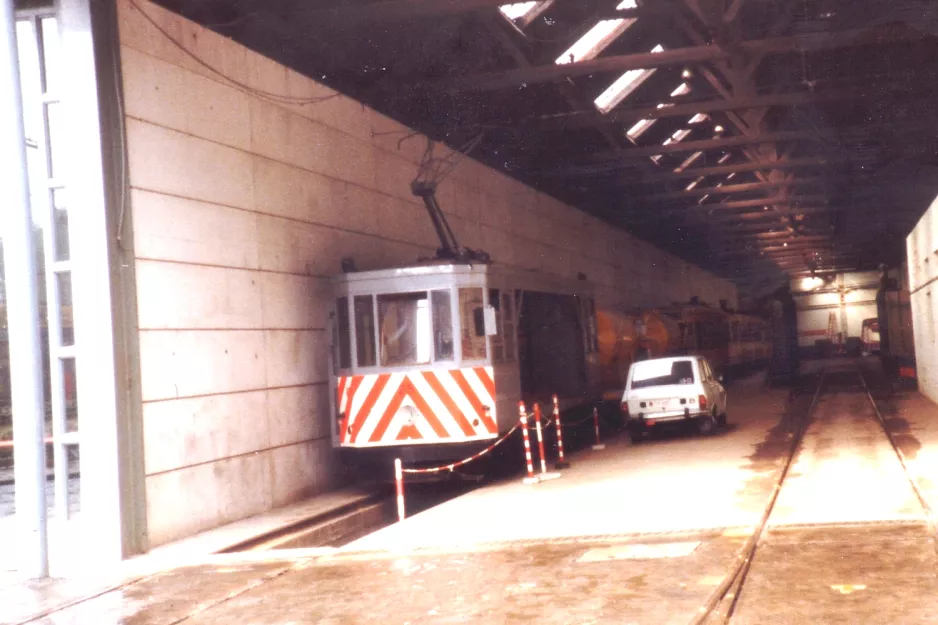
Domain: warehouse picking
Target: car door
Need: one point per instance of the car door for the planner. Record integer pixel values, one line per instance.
(719, 392)
(706, 380)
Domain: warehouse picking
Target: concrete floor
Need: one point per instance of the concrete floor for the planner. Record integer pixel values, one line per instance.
(631, 534)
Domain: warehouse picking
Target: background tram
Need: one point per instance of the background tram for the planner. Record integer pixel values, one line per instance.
(750, 342)
(430, 360)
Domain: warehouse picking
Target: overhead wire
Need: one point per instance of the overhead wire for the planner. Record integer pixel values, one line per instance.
(277, 98)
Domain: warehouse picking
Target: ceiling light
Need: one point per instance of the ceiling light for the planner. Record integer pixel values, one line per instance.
(687, 74)
(518, 9)
(718, 128)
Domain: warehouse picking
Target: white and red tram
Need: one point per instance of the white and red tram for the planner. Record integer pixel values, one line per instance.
(430, 360)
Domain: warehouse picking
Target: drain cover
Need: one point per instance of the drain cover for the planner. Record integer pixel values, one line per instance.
(639, 552)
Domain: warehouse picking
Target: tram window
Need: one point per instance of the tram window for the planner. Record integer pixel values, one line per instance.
(472, 320)
(343, 345)
(498, 340)
(404, 328)
(508, 324)
(365, 331)
(442, 325)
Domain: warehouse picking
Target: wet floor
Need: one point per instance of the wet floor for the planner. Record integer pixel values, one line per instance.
(849, 542)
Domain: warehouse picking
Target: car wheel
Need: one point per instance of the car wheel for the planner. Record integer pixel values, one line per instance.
(635, 435)
(721, 420)
(707, 425)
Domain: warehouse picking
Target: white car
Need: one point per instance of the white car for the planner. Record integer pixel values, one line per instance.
(675, 390)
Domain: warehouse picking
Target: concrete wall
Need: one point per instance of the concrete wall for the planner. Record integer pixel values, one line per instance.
(243, 205)
(922, 250)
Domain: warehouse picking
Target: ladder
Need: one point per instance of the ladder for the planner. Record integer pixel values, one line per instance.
(832, 328)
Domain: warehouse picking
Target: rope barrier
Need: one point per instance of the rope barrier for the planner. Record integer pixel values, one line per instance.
(476, 456)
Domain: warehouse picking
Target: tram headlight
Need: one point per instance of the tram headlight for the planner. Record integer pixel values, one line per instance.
(407, 413)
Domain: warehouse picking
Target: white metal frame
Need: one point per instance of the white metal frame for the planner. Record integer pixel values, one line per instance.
(59, 353)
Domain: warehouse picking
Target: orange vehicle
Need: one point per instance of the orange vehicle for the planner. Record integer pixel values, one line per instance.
(702, 330)
(627, 337)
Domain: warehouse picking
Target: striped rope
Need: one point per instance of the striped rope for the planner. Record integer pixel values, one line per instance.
(476, 456)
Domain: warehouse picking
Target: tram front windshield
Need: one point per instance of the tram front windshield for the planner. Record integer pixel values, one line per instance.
(404, 328)
(407, 329)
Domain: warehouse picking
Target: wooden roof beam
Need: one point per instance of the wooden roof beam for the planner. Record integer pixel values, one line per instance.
(691, 55)
(757, 215)
(703, 145)
(696, 172)
(778, 200)
(631, 115)
(730, 189)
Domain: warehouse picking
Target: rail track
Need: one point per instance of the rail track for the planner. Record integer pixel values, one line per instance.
(723, 602)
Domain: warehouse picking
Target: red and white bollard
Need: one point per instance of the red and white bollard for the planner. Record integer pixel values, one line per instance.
(598, 446)
(399, 483)
(540, 446)
(540, 437)
(529, 462)
(561, 461)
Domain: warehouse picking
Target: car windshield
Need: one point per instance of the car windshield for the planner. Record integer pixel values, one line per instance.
(662, 373)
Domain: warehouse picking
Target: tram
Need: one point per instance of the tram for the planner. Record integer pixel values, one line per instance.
(627, 337)
(703, 330)
(750, 342)
(430, 360)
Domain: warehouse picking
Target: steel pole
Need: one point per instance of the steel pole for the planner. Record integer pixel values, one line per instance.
(22, 291)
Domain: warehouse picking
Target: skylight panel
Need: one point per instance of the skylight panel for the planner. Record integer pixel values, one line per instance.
(688, 161)
(691, 186)
(639, 128)
(517, 10)
(624, 86)
(595, 41)
(731, 176)
(699, 118)
(683, 89)
(680, 135)
(725, 158)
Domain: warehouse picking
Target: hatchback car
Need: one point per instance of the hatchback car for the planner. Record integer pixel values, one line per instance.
(676, 390)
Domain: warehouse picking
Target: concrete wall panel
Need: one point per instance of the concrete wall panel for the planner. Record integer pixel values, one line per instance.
(225, 425)
(188, 363)
(921, 247)
(177, 229)
(176, 295)
(170, 162)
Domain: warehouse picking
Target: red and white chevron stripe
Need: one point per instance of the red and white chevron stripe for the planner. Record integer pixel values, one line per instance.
(414, 407)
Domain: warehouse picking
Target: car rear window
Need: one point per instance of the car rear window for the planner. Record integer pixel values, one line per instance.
(662, 373)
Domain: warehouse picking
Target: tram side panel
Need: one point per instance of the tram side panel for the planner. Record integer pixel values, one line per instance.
(552, 354)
